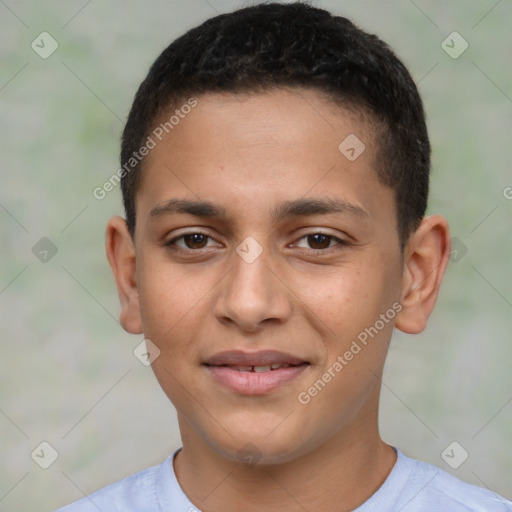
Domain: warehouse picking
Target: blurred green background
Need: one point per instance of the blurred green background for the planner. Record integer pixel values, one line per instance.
(68, 374)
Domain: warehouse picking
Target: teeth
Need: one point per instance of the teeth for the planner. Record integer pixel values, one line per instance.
(262, 368)
(275, 366)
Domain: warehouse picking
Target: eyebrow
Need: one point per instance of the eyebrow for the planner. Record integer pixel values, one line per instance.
(294, 208)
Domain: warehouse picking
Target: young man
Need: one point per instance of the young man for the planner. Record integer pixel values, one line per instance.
(275, 172)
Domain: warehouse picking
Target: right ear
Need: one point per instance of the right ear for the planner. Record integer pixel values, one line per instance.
(121, 256)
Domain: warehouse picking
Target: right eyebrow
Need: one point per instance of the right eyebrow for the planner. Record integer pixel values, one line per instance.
(197, 208)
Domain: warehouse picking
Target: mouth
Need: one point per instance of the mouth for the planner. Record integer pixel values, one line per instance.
(257, 369)
(256, 373)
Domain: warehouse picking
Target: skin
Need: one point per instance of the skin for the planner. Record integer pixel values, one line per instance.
(306, 296)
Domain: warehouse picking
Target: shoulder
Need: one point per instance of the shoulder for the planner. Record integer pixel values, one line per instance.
(429, 488)
(136, 492)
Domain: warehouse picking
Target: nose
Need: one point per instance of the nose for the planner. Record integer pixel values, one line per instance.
(253, 294)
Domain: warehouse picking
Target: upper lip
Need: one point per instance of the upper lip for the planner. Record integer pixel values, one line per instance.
(260, 358)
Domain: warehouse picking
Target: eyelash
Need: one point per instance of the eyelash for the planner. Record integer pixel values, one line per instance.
(340, 243)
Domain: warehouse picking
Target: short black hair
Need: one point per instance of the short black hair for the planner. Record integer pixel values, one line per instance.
(273, 45)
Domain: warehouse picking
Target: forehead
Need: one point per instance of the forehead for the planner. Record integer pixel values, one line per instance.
(252, 119)
(250, 151)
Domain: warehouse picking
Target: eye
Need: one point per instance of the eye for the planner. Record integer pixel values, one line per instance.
(320, 241)
(190, 241)
(196, 240)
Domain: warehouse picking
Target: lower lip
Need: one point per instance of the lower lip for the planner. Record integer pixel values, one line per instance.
(255, 383)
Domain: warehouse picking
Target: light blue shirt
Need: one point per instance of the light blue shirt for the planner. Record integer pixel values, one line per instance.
(412, 486)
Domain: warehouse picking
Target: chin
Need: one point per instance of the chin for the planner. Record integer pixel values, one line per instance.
(254, 446)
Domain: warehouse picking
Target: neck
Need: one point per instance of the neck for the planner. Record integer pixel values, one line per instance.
(340, 474)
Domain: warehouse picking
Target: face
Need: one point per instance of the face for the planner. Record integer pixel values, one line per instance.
(260, 243)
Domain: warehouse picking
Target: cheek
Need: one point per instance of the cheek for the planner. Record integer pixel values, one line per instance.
(346, 298)
(172, 306)
(169, 299)
(348, 309)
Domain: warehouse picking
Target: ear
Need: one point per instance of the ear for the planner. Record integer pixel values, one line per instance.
(121, 256)
(425, 258)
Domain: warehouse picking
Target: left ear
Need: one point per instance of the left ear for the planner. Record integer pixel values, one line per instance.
(425, 258)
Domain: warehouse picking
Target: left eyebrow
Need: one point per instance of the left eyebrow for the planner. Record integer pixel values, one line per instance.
(316, 206)
(294, 208)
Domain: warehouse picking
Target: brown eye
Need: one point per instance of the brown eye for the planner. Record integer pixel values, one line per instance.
(319, 241)
(195, 240)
